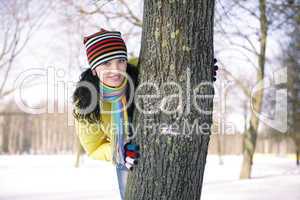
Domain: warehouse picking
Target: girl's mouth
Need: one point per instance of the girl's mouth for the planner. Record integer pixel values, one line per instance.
(114, 78)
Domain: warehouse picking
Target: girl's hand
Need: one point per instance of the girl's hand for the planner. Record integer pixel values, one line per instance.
(215, 68)
(131, 154)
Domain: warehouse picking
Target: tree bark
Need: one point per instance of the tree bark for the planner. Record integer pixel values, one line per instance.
(177, 45)
(251, 134)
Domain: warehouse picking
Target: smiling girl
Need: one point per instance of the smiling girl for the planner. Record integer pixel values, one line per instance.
(102, 106)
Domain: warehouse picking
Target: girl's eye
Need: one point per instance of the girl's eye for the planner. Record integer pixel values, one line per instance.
(105, 63)
(122, 60)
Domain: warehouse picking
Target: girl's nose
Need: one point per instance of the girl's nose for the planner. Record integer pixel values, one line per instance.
(116, 65)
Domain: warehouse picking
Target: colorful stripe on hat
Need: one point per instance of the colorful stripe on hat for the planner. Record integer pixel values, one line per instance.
(103, 46)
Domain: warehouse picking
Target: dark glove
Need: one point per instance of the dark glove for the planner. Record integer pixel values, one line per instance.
(131, 152)
(215, 68)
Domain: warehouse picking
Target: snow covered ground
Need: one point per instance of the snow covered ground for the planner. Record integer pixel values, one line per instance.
(273, 178)
(54, 178)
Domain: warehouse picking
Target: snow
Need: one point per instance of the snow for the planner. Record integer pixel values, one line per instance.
(273, 177)
(53, 177)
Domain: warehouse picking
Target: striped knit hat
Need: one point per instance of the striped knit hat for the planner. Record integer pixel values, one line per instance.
(103, 46)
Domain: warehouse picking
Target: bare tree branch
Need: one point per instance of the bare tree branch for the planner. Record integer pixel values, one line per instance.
(244, 88)
(14, 43)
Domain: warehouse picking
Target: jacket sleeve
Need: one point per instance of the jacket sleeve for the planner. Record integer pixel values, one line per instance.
(94, 141)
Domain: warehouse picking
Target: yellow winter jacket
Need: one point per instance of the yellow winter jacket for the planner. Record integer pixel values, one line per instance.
(95, 138)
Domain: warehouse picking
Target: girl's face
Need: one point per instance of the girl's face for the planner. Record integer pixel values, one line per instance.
(110, 72)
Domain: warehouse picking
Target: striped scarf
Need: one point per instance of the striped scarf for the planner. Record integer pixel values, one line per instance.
(117, 97)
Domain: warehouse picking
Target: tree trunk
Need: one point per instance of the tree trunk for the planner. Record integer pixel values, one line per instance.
(220, 147)
(177, 45)
(6, 130)
(297, 157)
(251, 134)
(79, 152)
(296, 140)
